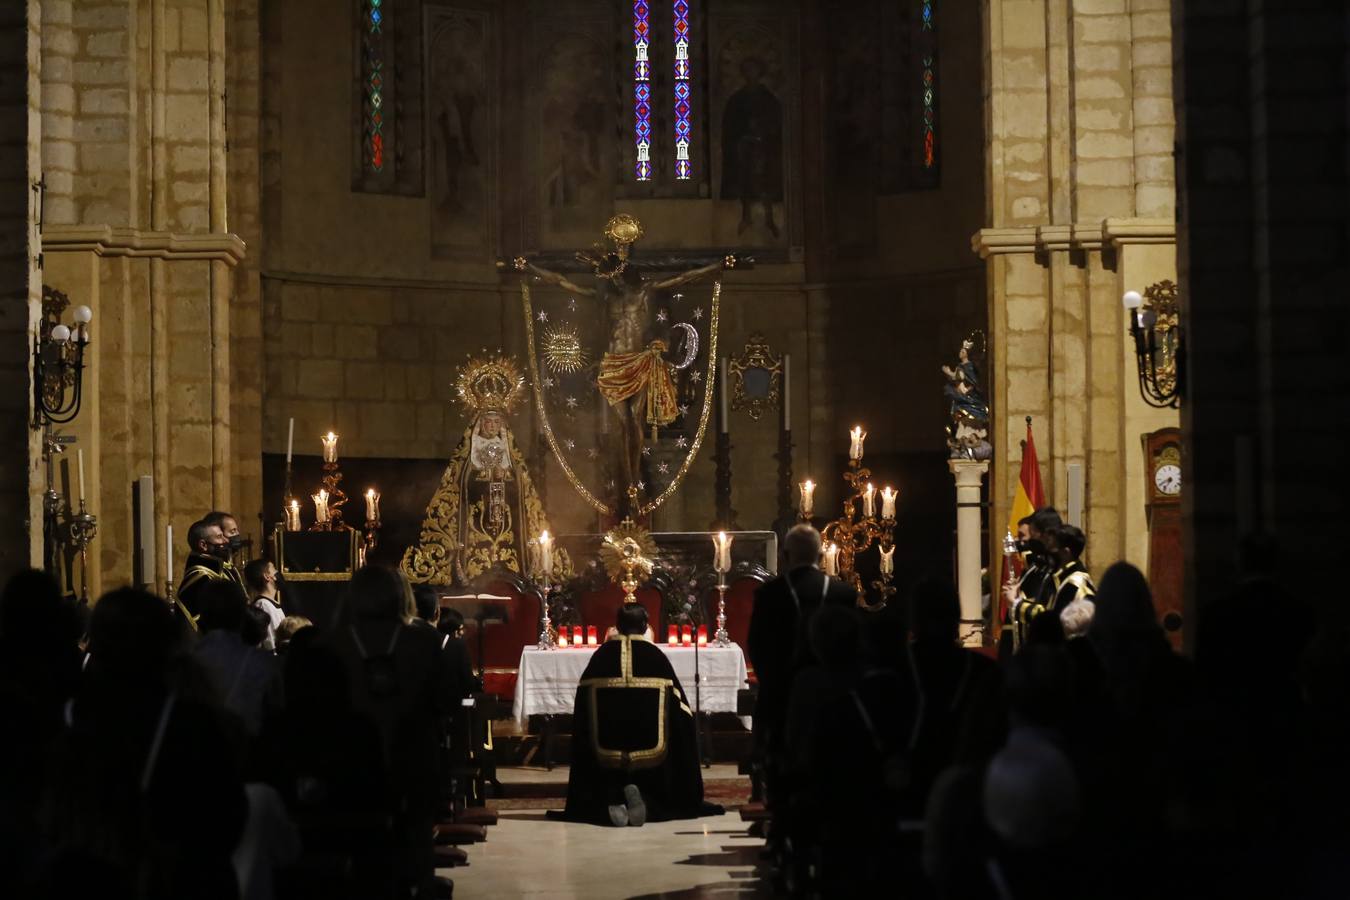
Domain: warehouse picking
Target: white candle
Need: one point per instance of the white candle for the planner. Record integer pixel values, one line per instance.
(290, 441)
(329, 447)
(372, 506)
(855, 444)
(869, 498)
(808, 489)
(293, 516)
(722, 391)
(545, 554)
(787, 392)
(722, 552)
(830, 561)
(168, 554)
(888, 560)
(79, 455)
(321, 506)
(888, 503)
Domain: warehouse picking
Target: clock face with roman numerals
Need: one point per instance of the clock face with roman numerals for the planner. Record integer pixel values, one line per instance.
(1167, 479)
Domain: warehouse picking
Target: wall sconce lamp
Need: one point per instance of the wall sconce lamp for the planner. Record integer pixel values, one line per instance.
(1155, 323)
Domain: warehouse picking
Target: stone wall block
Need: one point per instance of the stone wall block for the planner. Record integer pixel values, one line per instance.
(321, 378)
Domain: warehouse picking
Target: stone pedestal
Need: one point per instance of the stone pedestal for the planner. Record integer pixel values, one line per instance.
(969, 474)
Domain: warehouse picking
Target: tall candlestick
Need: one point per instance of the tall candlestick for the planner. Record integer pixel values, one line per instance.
(168, 554)
(808, 505)
(722, 552)
(293, 516)
(888, 502)
(290, 441)
(787, 392)
(855, 444)
(830, 560)
(372, 505)
(329, 447)
(722, 392)
(545, 554)
(79, 454)
(869, 499)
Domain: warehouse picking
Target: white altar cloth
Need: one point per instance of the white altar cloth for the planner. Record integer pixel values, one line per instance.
(546, 683)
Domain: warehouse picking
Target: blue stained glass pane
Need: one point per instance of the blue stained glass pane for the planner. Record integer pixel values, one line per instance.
(375, 16)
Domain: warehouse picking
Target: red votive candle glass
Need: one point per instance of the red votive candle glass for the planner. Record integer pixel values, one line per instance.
(686, 635)
(576, 636)
(703, 635)
(673, 635)
(590, 635)
(562, 635)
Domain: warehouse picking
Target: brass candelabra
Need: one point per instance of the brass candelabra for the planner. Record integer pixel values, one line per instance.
(83, 526)
(332, 480)
(852, 534)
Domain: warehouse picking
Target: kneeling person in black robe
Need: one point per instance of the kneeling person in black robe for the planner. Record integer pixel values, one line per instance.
(634, 751)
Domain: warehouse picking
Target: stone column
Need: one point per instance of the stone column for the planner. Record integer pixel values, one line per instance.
(969, 474)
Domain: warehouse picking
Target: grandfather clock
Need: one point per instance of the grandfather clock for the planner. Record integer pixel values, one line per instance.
(1162, 466)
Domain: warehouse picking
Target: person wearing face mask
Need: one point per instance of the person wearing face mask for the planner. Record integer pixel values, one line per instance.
(208, 560)
(1036, 588)
(229, 526)
(264, 587)
(1071, 587)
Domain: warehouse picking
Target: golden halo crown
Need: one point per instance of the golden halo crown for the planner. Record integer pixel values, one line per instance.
(490, 384)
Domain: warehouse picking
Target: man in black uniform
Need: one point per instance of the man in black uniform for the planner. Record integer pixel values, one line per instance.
(208, 560)
(1036, 589)
(1072, 589)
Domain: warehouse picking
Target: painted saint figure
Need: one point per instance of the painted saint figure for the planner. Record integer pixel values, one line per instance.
(967, 435)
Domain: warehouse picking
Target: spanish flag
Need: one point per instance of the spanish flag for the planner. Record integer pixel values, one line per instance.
(1029, 497)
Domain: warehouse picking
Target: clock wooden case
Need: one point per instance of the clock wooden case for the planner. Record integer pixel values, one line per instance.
(1162, 502)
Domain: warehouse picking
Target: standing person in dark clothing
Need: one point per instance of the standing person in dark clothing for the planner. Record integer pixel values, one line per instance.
(779, 627)
(208, 561)
(399, 678)
(1037, 582)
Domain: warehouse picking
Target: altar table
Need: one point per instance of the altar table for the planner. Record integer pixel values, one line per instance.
(547, 680)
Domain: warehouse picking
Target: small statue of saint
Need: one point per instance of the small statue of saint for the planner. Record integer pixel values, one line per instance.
(968, 433)
(486, 510)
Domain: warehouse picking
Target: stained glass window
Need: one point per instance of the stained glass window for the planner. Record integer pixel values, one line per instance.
(372, 51)
(642, 91)
(683, 94)
(928, 43)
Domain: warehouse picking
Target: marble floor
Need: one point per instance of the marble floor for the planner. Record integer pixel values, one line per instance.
(527, 855)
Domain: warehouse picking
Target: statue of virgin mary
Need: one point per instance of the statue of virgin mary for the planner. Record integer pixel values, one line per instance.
(486, 513)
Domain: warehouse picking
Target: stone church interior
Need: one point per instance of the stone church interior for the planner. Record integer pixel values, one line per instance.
(607, 448)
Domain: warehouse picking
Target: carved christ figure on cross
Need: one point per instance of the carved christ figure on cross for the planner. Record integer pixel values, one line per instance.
(634, 378)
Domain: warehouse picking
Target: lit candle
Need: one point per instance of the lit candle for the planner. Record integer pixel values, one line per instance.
(545, 554)
(329, 447)
(808, 505)
(888, 560)
(722, 552)
(576, 636)
(168, 555)
(703, 635)
(321, 506)
(686, 635)
(787, 392)
(888, 502)
(372, 505)
(830, 560)
(869, 501)
(562, 635)
(293, 516)
(590, 636)
(290, 441)
(79, 455)
(722, 392)
(855, 445)
(672, 636)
